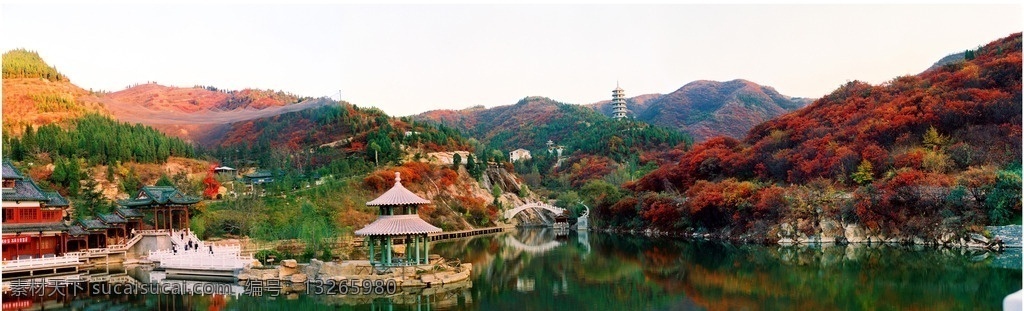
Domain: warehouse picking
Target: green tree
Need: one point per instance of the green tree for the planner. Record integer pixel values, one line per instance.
(456, 161)
(131, 183)
(165, 181)
(110, 173)
(1004, 200)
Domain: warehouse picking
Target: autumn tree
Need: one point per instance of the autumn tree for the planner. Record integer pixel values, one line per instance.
(864, 174)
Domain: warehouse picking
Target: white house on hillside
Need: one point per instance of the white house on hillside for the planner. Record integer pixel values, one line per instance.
(519, 154)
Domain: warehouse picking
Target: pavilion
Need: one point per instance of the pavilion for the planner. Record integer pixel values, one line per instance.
(161, 208)
(398, 218)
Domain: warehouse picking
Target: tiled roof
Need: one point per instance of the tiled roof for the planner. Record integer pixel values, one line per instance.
(112, 218)
(92, 224)
(150, 195)
(397, 195)
(9, 172)
(77, 230)
(55, 199)
(128, 213)
(397, 225)
(25, 190)
(260, 174)
(48, 226)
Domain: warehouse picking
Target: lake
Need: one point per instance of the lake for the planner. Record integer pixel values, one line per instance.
(532, 269)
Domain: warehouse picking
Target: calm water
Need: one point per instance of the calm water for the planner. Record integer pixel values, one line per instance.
(530, 269)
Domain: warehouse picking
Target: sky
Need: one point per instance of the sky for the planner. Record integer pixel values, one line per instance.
(407, 59)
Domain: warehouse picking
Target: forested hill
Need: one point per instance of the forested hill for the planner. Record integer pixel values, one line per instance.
(533, 121)
(35, 93)
(941, 147)
(707, 109)
(314, 137)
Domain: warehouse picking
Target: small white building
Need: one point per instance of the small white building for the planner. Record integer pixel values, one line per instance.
(519, 154)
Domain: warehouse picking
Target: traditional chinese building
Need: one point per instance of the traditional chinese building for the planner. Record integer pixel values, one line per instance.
(158, 207)
(33, 220)
(398, 218)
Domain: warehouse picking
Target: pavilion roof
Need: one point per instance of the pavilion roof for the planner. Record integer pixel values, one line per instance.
(397, 195)
(77, 230)
(92, 224)
(128, 213)
(151, 195)
(112, 218)
(397, 225)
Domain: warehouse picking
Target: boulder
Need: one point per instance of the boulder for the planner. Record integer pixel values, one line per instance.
(299, 278)
(977, 237)
(284, 272)
(290, 263)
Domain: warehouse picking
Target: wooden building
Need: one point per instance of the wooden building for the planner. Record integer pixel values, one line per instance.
(33, 220)
(159, 208)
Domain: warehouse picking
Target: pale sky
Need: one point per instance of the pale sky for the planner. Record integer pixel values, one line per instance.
(408, 59)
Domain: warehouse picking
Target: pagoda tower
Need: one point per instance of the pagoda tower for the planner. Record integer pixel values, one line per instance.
(398, 219)
(618, 103)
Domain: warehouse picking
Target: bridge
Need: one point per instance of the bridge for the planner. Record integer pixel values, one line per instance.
(554, 209)
(532, 249)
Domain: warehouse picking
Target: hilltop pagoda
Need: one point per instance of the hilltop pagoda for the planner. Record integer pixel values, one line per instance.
(618, 103)
(398, 219)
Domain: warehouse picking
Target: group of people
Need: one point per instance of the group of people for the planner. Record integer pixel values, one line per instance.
(193, 246)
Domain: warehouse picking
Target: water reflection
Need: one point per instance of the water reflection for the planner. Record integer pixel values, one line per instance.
(532, 269)
(599, 271)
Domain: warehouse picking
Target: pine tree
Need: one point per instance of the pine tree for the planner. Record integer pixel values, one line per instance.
(456, 161)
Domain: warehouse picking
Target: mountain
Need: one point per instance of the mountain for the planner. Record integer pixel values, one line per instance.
(533, 121)
(941, 147)
(35, 93)
(707, 109)
(200, 114)
(331, 131)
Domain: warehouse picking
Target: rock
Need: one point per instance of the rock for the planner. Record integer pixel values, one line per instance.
(977, 237)
(290, 263)
(299, 278)
(284, 272)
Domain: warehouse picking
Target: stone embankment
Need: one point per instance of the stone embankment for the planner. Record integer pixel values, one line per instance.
(294, 276)
(994, 238)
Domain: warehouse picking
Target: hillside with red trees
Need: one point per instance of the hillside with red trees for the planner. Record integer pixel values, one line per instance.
(942, 147)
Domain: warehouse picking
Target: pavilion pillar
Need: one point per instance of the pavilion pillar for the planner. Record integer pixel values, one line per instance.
(39, 245)
(388, 253)
(415, 248)
(426, 250)
(371, 249)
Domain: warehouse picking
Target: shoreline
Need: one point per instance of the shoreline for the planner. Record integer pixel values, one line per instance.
(973, 240)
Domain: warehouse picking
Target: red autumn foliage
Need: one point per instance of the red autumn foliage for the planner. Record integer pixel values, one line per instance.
(583, 168)
(976, 100)
(211, 185)
(661, 212)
